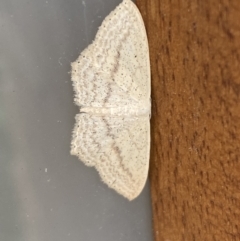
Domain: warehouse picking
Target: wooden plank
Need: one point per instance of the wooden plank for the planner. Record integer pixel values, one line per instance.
(195, 155)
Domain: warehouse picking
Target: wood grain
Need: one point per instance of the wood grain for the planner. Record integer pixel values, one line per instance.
(195, 155)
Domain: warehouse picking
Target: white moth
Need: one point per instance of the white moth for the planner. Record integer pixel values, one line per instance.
(111, 80)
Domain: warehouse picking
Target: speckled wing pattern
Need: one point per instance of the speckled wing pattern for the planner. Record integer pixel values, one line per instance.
(111, 80)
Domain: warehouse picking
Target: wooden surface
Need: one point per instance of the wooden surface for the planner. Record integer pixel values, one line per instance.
(195, 155)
